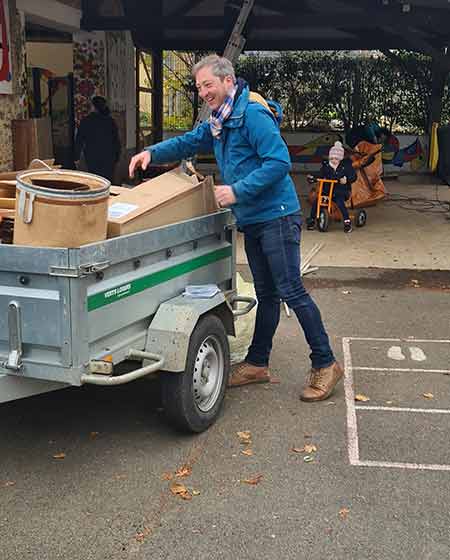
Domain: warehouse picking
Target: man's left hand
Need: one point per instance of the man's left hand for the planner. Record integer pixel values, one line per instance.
(343, 180)
(225, 196)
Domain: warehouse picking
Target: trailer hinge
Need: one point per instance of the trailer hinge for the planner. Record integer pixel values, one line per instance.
(79, 271)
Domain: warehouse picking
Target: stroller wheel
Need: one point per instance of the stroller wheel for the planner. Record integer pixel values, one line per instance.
(323, 220)
(361, 218)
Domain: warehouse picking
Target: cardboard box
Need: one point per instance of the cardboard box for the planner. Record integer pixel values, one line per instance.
(8, 203)
(7, 189)
(32, 138)
(167, 199)
(115, 191)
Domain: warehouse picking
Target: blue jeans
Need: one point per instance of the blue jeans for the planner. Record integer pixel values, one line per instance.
(273, 253)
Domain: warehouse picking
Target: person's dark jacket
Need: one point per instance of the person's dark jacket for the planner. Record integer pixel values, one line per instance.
(344, 169)
(98, 138)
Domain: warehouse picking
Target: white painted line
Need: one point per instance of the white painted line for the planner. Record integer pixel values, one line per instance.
(412, 466)
(410, 340)
(401, 409)
(395, 353)
(417, 354)
(352, 423)
(400, 370)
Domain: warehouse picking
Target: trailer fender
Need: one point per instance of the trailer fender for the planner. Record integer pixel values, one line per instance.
(171, 327)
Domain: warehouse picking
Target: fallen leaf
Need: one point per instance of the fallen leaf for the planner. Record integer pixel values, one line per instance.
(59, 456)
(120, 477)
(196, 492)
(140, 537)
(307, 436)
(307, 448)
(361, 398)
(180, 490)
(7, 483)
(247, 452)
(245, 437)
(183, 471)
(428, 395)
(167, 476)
(308, 458)
(346, 292)
(253, 481)
(343, 513)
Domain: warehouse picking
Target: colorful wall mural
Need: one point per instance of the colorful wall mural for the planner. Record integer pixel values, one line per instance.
(316, 150)
(89, 69)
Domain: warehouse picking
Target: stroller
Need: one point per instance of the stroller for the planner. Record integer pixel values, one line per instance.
(367, 190)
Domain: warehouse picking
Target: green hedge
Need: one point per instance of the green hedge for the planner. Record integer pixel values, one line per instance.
(346, 89)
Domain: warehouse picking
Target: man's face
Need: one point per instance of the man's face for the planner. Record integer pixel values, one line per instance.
(213, 89)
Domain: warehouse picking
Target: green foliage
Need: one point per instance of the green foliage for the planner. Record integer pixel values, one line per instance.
(314, 88)
(176, 122)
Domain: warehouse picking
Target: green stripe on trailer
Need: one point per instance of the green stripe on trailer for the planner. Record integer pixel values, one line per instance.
(140, 284)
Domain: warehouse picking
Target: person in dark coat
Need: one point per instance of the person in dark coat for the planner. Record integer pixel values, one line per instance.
(340, 169)
(98, 138)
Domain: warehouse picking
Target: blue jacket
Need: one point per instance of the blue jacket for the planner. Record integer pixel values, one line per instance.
(252, 157)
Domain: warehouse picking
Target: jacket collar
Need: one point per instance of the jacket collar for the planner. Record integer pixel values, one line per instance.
(236, 119)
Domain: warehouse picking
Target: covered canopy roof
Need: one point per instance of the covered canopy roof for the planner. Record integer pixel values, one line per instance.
(421, 25)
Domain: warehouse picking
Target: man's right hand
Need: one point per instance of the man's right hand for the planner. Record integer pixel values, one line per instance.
(139, 160)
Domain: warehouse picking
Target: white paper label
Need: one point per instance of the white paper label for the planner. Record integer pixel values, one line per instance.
(120, 209)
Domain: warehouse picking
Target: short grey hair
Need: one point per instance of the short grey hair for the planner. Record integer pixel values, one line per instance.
(220, 66)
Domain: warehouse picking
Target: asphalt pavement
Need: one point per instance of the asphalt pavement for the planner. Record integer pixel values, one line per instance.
(371, 484)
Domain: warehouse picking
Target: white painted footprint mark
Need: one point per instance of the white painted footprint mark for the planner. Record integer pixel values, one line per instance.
(417, 354)
(395, 353)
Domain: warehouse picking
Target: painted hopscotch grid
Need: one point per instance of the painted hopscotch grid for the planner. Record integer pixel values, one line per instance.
(352, 408)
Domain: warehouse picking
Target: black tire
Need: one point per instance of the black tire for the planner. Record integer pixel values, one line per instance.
(188, 408)
(323, 220)
(361, 218)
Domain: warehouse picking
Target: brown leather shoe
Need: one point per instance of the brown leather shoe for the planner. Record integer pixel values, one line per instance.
(246, 373)
(322, 383)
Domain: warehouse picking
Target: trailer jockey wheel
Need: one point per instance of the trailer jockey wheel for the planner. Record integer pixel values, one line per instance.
(361, 218)
(323, 220)
(192, 400)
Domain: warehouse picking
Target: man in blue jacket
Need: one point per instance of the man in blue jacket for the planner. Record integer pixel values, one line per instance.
(254, 164)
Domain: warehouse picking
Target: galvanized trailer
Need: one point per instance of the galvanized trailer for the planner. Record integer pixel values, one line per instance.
(68, 316)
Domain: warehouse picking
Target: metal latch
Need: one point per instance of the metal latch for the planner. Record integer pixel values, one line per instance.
(14, 362)
(79, 271)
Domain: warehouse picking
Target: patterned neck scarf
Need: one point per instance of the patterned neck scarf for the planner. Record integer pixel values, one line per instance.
(218, 117)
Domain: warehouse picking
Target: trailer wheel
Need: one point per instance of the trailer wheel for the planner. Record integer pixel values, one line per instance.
(192, 400)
